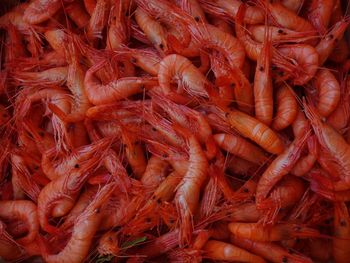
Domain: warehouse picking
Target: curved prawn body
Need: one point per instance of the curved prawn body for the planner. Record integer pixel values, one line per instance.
(342, 232)
(278, 232)
(329, 92)
(154, 31)
(263, 91)
(270, 251)
(187, 194)
(279, 167)
(155, 172)
(53, 76)
(255, 130)
(98, 93)
(25, 211)
(84, 229)
(240, 147)
(55, 167)
(210, 37)
(286, 110)
(39, 11)
(9, 249)
(180, 69)
(229, 9)
(331, 140)
(319, 15)
(328, 42)
(98, 21)
(77, 13)
(218, 250)
(59, 196)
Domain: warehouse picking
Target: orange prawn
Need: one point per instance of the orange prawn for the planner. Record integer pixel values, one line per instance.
(40, 10)
(342, 233)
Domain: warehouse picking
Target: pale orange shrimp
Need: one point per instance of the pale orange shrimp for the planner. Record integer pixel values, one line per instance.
(187, 194)
(306, 162)
(287, 108)
(293, 5)
(85, 227)
(180, 69)
(331, 140)
(329, 92)
(10, 250)
(270, 251)
(263, 91)
(278, 34)
(193, 8)
(255, 130)
(218, 250)
(108, 244)
(300, 124)
(154, 31)
(229, 9)
(56, 165)
(23, 210)
(328, 42)
(115, 90)
(117, 27)
(210, 37)
(305, 58)
(240, 147)
(59, 196)
(319, 14)
(58, 39)
(243, 213)
(98, 21)
(341, 232)
(41, 10)
(278, 232)
(280, 167)
(340, 52)
(155, 172)
(53, 76)
(15, 17)
(77, 13)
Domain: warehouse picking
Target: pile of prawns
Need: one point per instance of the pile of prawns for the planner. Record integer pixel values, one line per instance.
(175, 131)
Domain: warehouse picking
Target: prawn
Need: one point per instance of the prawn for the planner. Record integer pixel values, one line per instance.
(39, 11)
(98, 93)
(342, 233)
(22, 210)
(77, 13)
(218, 250)
(279, 167)
(98, 21)
(85, 227)
(319, 14)
(108, 244)
(287, 108)
(278, 232)
(155, 172)
(53, 76)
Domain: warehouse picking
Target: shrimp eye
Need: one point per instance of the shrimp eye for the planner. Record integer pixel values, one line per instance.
(5, 115)
(133, 60)
(331, 36)
(159, 201)
(196, 18)
(245, 190)
(161, 46)
(41, 134)
(273, 67)
(297, 228)
(154, 129)
(36, 167)
(342, 223)
(281, 73)
(76, 166)
(232, 85)
(226, 114)
(261, 68)
(280, 31)
(97, 210)
(148, 220)
(171, 221)
(164, 155)
(284, 259)
(110, 239)
(71, 126)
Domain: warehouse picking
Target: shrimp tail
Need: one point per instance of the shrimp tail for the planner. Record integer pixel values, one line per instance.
(186, 223)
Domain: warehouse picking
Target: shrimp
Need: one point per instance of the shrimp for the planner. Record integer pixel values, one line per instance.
(287, 108)
(331, 140)
(90, 6)
(155, 172)
(39, 11)
(98, 21)
(180, 69)
(108, 244)
(116, 90)
(25, 211)
(329, 92)
(210, 37)
(278, 232)
(9, 249)
(59, 196)
(319, 14)
(57, 39)
(270, 251)
(263, 91)
(280, 167)
(85, 227)
(341, 232)
(328, 42)
(77, 13)
(53, 76)
(218, 250)
(187, 195)
(4, 115)
(154, 31)
(193, 8)
(293, 5)
(240, 147)
(255, 130)
(229, 9)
